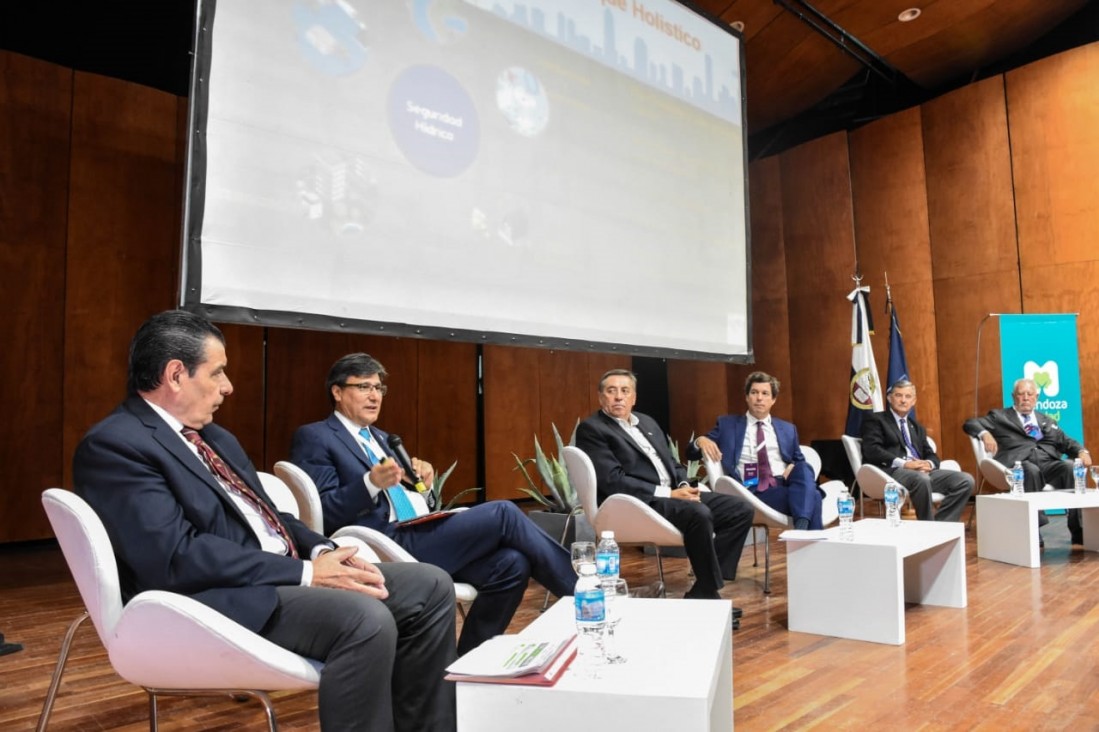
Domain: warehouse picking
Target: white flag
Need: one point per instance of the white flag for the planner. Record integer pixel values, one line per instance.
(865, 394)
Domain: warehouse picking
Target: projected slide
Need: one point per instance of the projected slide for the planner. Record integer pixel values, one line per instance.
(496, 170)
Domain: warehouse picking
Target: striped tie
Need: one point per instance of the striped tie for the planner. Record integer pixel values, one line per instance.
(229, 477)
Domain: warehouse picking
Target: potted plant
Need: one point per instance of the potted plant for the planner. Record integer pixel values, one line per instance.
(693, 466)
(561, 516)
(436, 489)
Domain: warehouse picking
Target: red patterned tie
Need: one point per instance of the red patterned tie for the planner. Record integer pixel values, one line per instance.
(218, 467)
(766, 477)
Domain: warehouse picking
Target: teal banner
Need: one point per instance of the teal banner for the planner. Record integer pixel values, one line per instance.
(1044, 348)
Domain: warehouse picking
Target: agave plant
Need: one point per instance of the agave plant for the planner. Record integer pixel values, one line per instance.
(562, 496)
(440, 481)
(693, 466)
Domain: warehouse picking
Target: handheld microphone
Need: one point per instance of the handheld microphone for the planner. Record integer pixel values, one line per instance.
(397, 446)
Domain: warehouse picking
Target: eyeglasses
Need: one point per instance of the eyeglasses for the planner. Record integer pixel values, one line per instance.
(368, 388)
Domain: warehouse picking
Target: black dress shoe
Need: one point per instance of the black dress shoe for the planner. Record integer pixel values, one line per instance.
(737, 612)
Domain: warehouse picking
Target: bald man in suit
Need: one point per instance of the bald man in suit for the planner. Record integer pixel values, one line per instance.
(1021, 434)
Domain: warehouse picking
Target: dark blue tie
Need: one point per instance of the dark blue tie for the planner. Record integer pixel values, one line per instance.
(1033, 430)
(402, 507)
(908, 438)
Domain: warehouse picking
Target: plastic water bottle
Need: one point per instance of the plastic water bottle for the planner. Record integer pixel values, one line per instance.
(591, 617)
(846, 505)
(1080, 473)
(607, 558)
(1017, 479)
(893, 503)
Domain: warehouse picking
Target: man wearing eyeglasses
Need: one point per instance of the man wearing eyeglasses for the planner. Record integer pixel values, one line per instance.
(492, 546)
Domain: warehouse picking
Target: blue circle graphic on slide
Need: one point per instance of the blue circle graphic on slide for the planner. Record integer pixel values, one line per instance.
(433, 121)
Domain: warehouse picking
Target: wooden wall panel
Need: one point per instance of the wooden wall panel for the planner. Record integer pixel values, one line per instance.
(1053, 111)
(513, 416)
(35, 100)
(770, 311)
(122, 260)
(973, 249)
(891, 228)
(243, 412)
(969, 197)
(1053, 114)
(527, 390)
(447, 413)
(699, 395)
(564, 395)
(820, 259)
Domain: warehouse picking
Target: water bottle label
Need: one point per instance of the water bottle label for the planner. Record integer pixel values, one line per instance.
(606, 564)
(589, 606)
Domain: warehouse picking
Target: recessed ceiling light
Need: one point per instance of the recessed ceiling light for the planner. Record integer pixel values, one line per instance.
(909, 15)
(737, 25)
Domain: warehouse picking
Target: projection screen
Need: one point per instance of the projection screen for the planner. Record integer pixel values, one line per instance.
(566, 173)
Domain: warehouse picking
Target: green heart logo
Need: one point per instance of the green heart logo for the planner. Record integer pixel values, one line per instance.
(1042, 379)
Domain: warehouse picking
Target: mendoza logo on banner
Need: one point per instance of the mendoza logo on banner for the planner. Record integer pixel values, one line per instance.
(1044, 348)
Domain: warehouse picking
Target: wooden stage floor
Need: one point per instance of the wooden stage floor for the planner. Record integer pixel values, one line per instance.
(1022, 656)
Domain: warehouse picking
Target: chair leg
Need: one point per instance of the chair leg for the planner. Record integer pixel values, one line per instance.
(59, 669)
(766, 561)
(260, 696)
(462, 608)
(660, 572)
(755, 543)
(152, 711)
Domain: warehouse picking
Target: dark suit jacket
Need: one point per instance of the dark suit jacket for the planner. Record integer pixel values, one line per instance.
(1013, 443)
(620, 465)
(882, 440)
(336, 462)
(729, 434)
(172, 525)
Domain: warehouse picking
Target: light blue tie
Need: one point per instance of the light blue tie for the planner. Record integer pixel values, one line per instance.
(402, 507)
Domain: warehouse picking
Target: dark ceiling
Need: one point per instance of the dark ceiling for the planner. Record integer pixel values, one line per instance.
(812, 68)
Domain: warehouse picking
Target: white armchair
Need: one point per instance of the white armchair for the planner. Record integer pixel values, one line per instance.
(872, 479)
(766, 517)
(631, 520)
(198, 650)
(308, 501)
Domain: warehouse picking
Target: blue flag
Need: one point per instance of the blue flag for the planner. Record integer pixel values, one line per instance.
(898, 361)
(864, 389)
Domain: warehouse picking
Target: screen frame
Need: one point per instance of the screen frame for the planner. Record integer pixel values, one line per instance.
(192, 219)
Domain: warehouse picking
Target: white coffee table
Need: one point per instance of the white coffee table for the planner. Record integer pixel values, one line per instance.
(858, 589)
(1007, 525)
(678, 676)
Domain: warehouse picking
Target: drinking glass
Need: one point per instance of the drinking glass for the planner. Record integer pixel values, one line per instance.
(615, 593)
(1095, 475)
(583, 552)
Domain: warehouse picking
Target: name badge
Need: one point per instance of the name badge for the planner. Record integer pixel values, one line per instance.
(751, 475)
